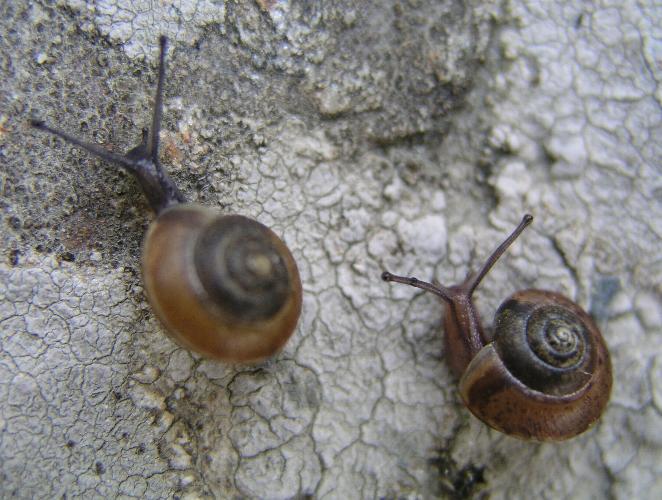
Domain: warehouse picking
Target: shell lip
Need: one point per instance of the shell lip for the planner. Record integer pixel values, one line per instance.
(517, 384)
(497, 398)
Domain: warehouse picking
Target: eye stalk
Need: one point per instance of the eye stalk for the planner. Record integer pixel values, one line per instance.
(141, 161)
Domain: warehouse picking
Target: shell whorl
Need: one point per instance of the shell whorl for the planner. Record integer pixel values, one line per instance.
(240, 269)
(545, 341)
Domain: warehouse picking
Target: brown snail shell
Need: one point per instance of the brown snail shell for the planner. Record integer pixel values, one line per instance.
(223, 285)
(546, 373)
(551, 388)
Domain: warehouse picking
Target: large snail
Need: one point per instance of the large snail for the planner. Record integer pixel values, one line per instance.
(222, 285)
(545, 374)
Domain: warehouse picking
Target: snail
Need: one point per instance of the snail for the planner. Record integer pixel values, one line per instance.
(544, 375)
(222, 285)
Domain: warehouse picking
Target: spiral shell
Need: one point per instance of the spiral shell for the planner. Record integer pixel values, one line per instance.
(224, 286)
(547, 374)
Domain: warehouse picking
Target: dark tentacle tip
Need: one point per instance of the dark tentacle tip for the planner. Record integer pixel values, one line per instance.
(386, 276)
(527, 219)
(163, 40)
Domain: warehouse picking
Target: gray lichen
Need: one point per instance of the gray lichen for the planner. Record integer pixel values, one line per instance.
(405, 135)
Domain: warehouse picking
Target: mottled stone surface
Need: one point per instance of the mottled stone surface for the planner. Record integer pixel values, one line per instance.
(408, 136)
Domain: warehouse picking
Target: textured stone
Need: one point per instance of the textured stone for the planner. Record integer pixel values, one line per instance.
(407, 136)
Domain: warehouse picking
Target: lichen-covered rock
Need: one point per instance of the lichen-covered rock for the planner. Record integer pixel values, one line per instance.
(401, 135)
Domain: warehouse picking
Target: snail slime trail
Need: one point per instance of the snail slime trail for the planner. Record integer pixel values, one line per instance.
(224, 286)
(546, 375)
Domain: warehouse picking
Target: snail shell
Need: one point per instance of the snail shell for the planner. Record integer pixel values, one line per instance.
(225, 286)
(546, 373)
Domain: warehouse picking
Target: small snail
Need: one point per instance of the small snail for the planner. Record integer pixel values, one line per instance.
(222, 285)
(545, 374)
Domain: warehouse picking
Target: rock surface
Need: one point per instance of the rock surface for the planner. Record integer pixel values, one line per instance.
(408, 136)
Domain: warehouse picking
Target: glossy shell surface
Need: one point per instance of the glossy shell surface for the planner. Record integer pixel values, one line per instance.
(190, 310)
(568, 401)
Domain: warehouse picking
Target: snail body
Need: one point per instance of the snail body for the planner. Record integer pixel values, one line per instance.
(224, 286)
(545, 374)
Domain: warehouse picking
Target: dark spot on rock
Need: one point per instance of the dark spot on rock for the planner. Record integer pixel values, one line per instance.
(100, 468)
(13, 257)
(468, 479)
(67, 256)
(579, 21)
(456, 482)
(14, 222)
